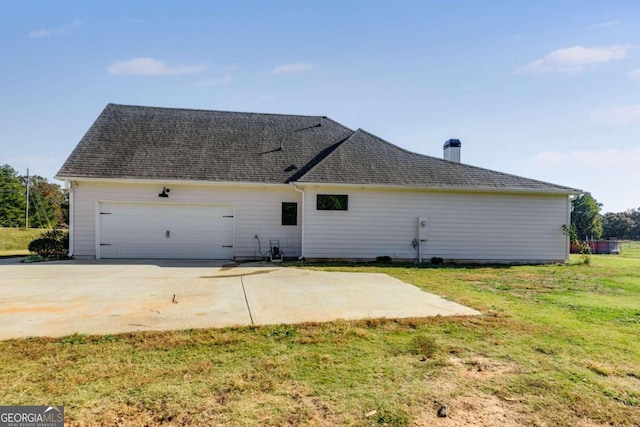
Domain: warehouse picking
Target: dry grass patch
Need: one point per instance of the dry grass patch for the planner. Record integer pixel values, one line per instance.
(15, 241)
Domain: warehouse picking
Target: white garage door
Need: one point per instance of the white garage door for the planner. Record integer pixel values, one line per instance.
(158, 230)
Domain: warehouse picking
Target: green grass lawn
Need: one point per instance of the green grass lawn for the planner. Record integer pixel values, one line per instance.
(630, 249)
(14, 241)
(558, 345)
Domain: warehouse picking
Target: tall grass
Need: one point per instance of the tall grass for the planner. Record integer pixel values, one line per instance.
(16, 240)
(630, 249)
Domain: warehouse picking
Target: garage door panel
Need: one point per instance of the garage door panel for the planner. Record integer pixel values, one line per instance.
(139, 230)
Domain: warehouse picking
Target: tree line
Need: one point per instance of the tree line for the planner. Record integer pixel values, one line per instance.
(590, 224)
(48, 202)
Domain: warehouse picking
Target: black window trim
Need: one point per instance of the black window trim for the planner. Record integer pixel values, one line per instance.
(323, 205)
(293, 220)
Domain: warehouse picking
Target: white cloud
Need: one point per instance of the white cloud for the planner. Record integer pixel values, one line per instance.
(601, 172)
(36, 34)
(47, 33)
(226, 79)
(152, 67)
(291, 68)
(574, 59)
(634, 74)
(51, 32)
(607, 24)
(625, 115)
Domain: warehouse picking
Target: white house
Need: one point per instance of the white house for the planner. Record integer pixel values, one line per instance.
(175, 183)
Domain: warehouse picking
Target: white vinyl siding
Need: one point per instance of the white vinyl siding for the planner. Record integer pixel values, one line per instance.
(257, 211)
(461, 226)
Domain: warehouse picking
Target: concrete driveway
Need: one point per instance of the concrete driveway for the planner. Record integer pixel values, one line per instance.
(101, 297)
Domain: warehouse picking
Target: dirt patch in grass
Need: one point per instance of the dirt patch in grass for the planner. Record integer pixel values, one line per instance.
(480, 409)
(473, 410)
(475, 394)
(480, 367)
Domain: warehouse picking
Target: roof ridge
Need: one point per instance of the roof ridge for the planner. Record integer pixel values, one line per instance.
(337, 146)
(336, 122)
(401, 148)
(112, 104)
(329, 151)
(449, 164)
(462, 164)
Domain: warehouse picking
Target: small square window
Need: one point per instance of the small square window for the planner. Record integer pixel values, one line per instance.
(332, 202)
(289, 213)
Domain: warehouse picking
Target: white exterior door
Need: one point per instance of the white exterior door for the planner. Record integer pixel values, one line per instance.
(161, 230)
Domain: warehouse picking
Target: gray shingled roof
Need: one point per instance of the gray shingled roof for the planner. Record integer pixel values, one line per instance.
(165, 143)
(367, 159)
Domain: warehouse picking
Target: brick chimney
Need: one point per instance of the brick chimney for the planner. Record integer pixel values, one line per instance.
(452, 150)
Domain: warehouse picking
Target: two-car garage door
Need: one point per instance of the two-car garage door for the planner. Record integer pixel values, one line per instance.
(162, 230)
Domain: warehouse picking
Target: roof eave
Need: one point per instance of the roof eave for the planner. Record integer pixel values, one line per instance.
(461, 189)
(167, 181)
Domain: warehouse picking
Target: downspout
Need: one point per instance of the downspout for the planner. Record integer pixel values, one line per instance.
(302, 223)
(570, 199)
(69, 186)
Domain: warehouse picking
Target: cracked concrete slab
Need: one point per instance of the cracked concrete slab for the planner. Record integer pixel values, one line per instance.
(296, 296)
(104, 297)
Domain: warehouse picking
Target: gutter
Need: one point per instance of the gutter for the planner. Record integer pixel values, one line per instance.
(570, 200)
(462, 189)
(168, 181)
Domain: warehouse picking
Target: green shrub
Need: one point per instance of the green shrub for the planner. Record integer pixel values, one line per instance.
(425, 345)
(397, 418)
(585, 252)
(583, 247)
(34, 258)
(52, 244)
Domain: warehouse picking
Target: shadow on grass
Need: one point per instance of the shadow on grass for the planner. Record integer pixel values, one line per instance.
(426, 266)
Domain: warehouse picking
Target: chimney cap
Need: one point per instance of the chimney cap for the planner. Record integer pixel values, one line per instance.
(452, 143)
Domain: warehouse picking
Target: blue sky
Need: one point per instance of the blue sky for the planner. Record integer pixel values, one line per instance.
(544, 89)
